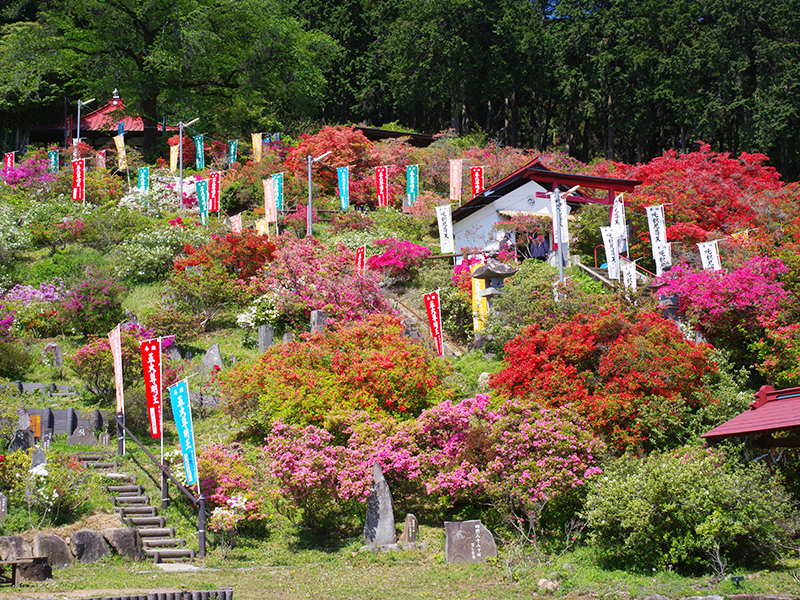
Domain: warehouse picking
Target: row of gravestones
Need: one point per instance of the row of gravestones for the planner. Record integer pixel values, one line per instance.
(466, 542)
(43, 423)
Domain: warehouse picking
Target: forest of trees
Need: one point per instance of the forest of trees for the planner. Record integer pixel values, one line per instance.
(620, 79)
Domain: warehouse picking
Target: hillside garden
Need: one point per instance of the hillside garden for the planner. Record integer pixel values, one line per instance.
(583, 447)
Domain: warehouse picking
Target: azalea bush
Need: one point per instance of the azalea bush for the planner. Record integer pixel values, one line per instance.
(400, 259)
(93, 307)
(226, 479)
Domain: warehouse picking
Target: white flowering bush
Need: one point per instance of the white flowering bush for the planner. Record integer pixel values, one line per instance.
(147, 256)
(161, 196)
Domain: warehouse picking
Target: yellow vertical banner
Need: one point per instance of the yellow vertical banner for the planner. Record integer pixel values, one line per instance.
(122, 161)
(174, 151)
(256, 139)
(480, 305)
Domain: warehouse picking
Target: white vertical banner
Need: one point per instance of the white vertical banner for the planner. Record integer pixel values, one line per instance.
(612, 256)
(627, 269)
(115, 341)
(662, 253)
(564, 214)
(709, 255)
(445, 219)
(618, 224)
(270, 207)
(455, 180)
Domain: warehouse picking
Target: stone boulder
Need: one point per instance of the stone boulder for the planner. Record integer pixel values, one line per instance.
(89, 546)
(54, 547)
(125, 541)
(13, 546)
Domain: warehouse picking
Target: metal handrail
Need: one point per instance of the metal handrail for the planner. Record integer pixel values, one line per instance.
(603, 246)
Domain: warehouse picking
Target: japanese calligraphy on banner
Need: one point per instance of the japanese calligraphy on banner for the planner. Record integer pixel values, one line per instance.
(480, 304)
(709, 255)
(343, 177)
(627, 269)
(262, 227)
(213, 191)
(256, 140)
(476, 176)
(361, 253)
(144, 178)
(445, 219)
(562, 211)
(455, 180)
(182, 411)
(78, 180)
(236, 223)
(8, 160)
(277, 189)
(412, 184)
(174, 153)
(101, 159)
(618, 224)
(151, 365)
(122, 161)
(115, 341)
(662, 254)
(202, 199)
(435, 320)
(233, 149)
(270, 208)
(382, 185)
(199, 155)
(612, 255)
(52, 161)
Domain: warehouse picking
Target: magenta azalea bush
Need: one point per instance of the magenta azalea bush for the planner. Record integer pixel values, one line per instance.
(93, 308)
(400, 258)
(29, 173)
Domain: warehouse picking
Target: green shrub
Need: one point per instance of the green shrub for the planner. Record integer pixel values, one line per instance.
(687, 510)
(185, 327)
(15, 362)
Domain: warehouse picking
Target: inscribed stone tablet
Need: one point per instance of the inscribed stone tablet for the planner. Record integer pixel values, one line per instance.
(468, 542)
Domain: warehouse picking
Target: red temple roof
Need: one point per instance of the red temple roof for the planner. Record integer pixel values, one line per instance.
(773, 410)
(106, 119)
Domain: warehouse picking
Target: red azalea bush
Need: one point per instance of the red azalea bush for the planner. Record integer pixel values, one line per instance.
(242, 254)
(632, 377)
(226, 479)
(400, 259)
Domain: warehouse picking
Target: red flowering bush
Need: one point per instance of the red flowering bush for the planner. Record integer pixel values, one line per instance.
(367, 366)
(634, 378)
(242, 254)
(348, 147)
(400, 259)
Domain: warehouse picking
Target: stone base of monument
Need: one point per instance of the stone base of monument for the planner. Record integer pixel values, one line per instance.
(399, 547)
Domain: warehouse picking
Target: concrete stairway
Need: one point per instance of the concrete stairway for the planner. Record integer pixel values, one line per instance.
(133, 505)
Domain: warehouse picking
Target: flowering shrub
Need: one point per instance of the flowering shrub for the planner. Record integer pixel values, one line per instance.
(227, 483)
(632, 377)
(687, 509)
(243, 254)
(92, 308)
(30, 173)
(778, 354)
(202, 291)
(297, 221)
(184, 327)
(400, 259)
(351, 220)
(366, 366)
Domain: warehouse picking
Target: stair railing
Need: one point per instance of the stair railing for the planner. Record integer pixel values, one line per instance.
(198, 500)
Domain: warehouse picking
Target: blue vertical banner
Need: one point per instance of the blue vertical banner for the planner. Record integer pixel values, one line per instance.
(182, 411)
(343, 174)
(233, 148)
(121, 128)
(412, 184)
(202, 199)
(144, 178)
(277, 186)
(52, 161)
(200, 159)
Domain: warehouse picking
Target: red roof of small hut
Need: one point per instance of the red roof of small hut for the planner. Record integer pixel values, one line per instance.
(771, 411)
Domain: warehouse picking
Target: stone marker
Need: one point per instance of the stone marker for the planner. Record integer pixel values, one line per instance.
(53, 355)
(47, 439)
(104, 439)
(379, 526)
(266, 336)
(54, 547)
(212, 358)
(89, 546)
(3, 507)
(125, 541)
(22, 441)
(173, 353)
(319, 320)
(82, 435)
(38, 458)
(14, 546)
(468, 542)
(23, 419)
(288, 337)
(410, 528)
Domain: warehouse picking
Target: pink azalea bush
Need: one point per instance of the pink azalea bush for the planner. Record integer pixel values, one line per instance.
(400, 258)
(228, 482)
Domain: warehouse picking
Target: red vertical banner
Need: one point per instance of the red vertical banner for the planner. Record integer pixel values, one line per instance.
(151, 365)
(213, 191)
(435, 320)
(476, 175)
(361, 253)
(382, 185)
(115, 341)
(78, 181)
(8, 160)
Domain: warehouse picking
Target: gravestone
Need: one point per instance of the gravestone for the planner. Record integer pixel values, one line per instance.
(266, 336)
(288, 338)
(104, 439)
(379, 525)
(212, 358)
(53, 355)
(36, 425)
(173, 353)
(319, 320)
(3, 506)
(22, 441)
(468, 542)
(47, 439)
(82, 435)
(23, 419)
(189, 355)
(410, 528)
(38, 458)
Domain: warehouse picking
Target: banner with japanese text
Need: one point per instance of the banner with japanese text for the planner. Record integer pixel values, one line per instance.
(213, 191)
(115, 342)
(618, 225)
(201, 187)
(270, 208)
(122, 161)
(144, 178)
(236, 223)
(476, 177)
(182, 411)
(199, 154)
(151, 366)
(709, 255)
(343, 177)
(361, 253)
(78, 180)
(8, 160)
(412, 184)
(262, 227)
(480, 304)
(382, 185)
(662, 254)
(445, 220)
(52, 161)
(627, 269)
(256, 141)
(174, 154)
(612, 255)
(562, 211)
(233, 150)
(455, 180)
(277, 189)
(434, 311)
